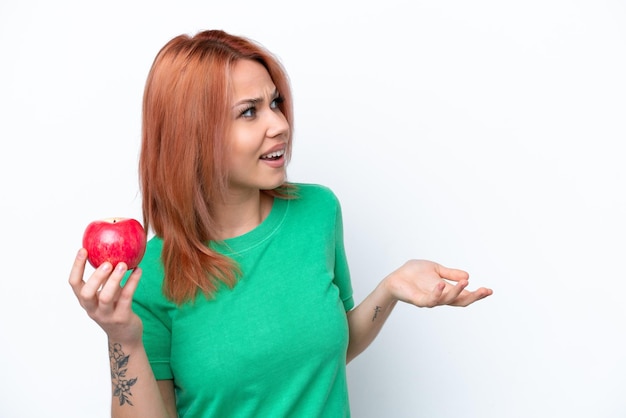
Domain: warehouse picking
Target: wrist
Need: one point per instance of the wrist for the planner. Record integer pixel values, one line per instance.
(128, 344)
(386, 290)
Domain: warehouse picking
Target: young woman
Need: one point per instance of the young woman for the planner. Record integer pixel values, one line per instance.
(244, 308)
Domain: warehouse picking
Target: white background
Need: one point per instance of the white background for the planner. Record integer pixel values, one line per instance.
(486, 135)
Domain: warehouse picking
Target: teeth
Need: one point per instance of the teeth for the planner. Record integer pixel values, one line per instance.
(274, 154)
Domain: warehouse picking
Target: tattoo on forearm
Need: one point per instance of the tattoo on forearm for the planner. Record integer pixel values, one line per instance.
(376, 310)
(121, 385)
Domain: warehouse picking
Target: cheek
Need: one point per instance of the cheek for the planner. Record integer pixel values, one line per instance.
(245, 141)
(242, 149)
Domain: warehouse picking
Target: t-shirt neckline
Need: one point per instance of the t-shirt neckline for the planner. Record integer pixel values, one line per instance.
(257, 235)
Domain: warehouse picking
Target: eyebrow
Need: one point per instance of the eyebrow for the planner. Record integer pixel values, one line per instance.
(256, 100)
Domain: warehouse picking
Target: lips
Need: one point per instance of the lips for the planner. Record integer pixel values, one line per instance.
(275, 153)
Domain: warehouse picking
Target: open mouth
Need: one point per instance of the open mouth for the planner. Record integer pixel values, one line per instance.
(272, 156)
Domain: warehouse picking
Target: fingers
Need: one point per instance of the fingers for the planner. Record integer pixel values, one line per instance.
(78, 270)
(111, 289)
(467, 298)
(125, 299)
(482, 293)
(428, 284)
(89, 293)
(103, 289)
(447, 294)
(454, 275)
(455, 292)
(458, 296)
(434, 299)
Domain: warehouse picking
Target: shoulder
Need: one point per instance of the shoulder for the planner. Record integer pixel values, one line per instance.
(314, 204)
(153, 250)
(315, 193)
(151, 269)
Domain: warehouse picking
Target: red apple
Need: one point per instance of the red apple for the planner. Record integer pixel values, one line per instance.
(115, 240)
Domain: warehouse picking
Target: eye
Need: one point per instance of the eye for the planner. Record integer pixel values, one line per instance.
(248, 112)
(277, 101)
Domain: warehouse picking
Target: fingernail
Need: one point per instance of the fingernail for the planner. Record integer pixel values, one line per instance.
(106, 266)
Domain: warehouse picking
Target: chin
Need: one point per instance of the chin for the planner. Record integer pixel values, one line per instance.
(273, 186)
(275, 182)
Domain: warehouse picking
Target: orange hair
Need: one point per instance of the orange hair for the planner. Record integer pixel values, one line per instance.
(186, 115)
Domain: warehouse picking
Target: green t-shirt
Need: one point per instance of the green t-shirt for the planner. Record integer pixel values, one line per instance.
(274, 345)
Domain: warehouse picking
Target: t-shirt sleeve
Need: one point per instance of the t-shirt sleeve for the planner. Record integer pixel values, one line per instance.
(150, 304)
(342, 271)
(156, 339)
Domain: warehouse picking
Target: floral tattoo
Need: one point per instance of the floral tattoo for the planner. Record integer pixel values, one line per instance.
(121, 384)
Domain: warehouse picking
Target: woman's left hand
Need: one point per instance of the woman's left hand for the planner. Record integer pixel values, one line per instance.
(427, 284)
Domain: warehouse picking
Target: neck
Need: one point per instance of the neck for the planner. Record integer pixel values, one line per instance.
(241, 213)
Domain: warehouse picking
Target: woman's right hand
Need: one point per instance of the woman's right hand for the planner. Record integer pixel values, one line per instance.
(105, 300)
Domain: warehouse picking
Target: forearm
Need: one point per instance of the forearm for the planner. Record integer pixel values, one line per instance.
(367, 319)
(134, 388)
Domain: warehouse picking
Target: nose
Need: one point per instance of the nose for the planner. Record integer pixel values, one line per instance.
(277, 124)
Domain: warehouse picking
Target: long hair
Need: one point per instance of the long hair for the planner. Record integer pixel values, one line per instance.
(181, 167)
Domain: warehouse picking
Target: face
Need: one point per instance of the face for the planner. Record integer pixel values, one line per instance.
(258, 132)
